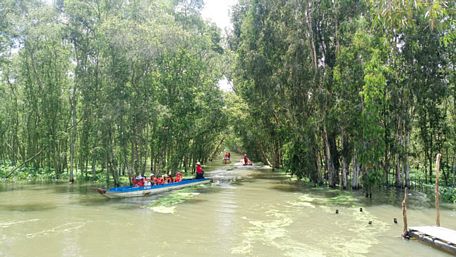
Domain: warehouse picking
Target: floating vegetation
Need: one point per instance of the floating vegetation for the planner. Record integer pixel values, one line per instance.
(167, 203)
(342, 199)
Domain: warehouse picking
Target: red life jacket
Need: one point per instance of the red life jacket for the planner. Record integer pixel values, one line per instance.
(199, 169)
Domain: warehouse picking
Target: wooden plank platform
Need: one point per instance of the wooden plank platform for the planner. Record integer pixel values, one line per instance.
(439, 237)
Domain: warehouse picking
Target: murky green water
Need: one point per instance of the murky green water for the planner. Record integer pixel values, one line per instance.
(247, 212)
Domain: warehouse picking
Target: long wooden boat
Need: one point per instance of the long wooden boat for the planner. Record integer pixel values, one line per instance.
(129, 191)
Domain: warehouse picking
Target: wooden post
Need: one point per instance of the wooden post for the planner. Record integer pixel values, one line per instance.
(437, 205)
(404, 213)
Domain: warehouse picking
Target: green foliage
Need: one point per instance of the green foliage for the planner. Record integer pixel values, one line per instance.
(373, 178)
(123, 87)
(299, 159)
(448, 194)
(356, 87)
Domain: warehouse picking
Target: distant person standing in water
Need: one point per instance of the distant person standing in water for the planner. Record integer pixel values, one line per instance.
(246, 159)
(199, 171)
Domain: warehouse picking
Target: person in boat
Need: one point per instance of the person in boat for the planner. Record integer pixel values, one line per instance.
(225, 158)
(151, 179)
(178, 177)
(199, 171)
(246, 159)
(162, 179)
(168, 179)
(138, 181)
(159, 181)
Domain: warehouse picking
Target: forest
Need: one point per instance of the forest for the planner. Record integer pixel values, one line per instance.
(110, 86)
(350, 94)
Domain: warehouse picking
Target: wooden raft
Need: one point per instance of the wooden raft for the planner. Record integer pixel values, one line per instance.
(442, 238)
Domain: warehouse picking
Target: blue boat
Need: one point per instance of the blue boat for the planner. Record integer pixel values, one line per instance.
(129, 191)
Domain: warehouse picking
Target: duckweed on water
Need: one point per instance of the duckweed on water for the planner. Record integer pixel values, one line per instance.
(167, 203)
(341, 199)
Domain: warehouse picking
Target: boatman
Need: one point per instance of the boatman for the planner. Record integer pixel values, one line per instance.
(199, 171)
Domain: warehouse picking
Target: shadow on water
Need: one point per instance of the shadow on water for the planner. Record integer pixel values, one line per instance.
(325, 196)
(80, 189)
(208, 189)
(92, 200)
(61, 187)
(27, 207)
(20, 186)
(195, 201)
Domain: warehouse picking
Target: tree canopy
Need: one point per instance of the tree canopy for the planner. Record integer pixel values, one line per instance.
(347, 88)
(125, 86)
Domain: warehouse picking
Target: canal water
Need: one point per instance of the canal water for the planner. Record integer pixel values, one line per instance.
(247, 211)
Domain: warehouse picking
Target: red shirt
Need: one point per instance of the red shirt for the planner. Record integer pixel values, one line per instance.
(199, 169)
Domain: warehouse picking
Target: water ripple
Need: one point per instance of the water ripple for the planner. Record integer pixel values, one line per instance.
(11, 223)
(64, 228)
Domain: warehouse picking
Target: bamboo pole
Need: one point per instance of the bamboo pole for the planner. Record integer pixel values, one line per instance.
(404, 213)
(437, 205)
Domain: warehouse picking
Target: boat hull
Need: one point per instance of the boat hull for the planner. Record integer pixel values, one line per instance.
(129, 191)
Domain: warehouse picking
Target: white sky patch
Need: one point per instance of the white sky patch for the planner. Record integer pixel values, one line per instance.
(218, 11)
(225, 85)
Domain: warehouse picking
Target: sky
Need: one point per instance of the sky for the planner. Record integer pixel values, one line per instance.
(218, 11)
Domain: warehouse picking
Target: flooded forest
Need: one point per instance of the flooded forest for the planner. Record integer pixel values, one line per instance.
(339, 105)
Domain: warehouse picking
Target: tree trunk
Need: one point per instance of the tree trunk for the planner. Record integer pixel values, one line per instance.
(345, 160)
(355, 173)
(398, 172)
(73, 101)
(344, 172)
(399, 154)
(316, 178)
(437, 194)
(430, 159)
(329, 162)
(94, 169)
(406, 165)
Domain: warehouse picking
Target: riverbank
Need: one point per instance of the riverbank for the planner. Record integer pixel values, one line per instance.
(30, 176)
